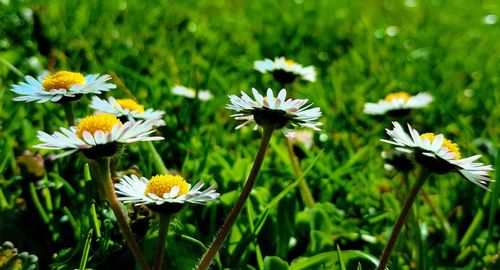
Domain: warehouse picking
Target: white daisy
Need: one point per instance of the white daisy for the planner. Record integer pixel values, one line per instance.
(61, 86)
(161, 189)
(304, 137)
(98, 136)
(439, 154)
(274, 112)
(183, 91)
(285, 70)
(400, 102)
(126, 108)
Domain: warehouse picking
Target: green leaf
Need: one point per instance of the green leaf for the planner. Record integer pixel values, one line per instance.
(274, 263)
(329, 260)
(339, 256)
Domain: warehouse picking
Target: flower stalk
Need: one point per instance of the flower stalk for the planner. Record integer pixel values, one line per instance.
(231, 219)
(164, 222)
(100, 169)
(157, 161)
(305, 192)
(384, 260)
(70, 115)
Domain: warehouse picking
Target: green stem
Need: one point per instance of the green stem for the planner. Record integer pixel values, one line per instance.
(476, 223)
(100, 169)
(162, 240)
(86, 249)
(72, 222)
(38, 204)
(201, 245)
(157, 160)
(384, 260)
(95, 221)
(70, 115)
(305, 192)
(230, 220)
(437, 212)
(418, 237)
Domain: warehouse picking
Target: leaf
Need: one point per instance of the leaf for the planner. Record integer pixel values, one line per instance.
(339, 256)
(274, 263)
(329, 260)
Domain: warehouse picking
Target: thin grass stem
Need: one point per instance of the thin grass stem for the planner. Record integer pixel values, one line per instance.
(305, 192)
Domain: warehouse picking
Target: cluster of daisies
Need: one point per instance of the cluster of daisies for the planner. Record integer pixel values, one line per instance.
(122, 121)
(115, 123)
(434, 152)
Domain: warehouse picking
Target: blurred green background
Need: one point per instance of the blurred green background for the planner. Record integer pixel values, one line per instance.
(362, 50)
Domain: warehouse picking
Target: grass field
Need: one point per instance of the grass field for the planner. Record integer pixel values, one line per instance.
(362, 50)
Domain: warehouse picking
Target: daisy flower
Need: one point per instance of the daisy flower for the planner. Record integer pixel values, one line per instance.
(274, 112)
(304, 137)
(397, 160)
(183, 91)
(98, 136)
(286, 70)
(126, 109)
(61, 86)
(399, 103)
(439, 154)
(161, 191)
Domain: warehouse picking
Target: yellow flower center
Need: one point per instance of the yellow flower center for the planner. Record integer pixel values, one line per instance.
(451, 146)
(289, 62)
(128, 103)
(93, 123)
(398, 95)
(163, 183)
(62, 80)
(191, 90)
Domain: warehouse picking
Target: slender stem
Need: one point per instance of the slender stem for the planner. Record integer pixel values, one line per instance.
(384, 260)
(305, 192)
(157, 161)
(70, 115)
(418, 238)
(226, 227)
(437, 212)
(162, 240)
(100, 170)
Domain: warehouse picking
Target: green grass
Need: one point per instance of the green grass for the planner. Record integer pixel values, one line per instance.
(442, 47)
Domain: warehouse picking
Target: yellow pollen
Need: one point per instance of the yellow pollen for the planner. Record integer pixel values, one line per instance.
(451, 146)
(104, 122)
(398, 95)
(62, 80)
(163, 183)
(128, 103)
(289, 62)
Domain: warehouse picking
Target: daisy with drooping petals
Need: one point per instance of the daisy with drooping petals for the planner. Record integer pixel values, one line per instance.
(61, 86)
(98, 136)
(439, 154)
(285, 70)
(126, 109)
(274, 112)
(161, 189)
(183, 91)
(399, 103)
